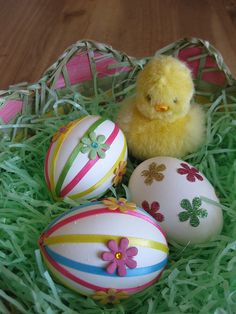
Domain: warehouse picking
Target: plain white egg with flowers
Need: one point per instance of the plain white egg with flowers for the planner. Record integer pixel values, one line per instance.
(178, 196)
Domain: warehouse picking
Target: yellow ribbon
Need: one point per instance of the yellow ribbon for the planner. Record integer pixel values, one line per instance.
(98, 238)
(54, 158)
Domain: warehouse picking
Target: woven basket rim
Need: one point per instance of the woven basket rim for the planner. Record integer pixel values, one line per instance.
(23, 87)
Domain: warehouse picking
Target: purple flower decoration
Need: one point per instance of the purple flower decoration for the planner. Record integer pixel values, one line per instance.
(191, 173)
(120, 256)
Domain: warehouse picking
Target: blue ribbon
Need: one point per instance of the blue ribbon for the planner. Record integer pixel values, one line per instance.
(100, 271)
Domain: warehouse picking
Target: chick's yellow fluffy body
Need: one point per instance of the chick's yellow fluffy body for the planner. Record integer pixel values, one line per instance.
(149, 138)
(159, 120)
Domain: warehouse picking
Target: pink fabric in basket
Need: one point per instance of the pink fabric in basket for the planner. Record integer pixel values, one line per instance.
(214, 77)
(186, 53)
(79, 70)
(10, 109)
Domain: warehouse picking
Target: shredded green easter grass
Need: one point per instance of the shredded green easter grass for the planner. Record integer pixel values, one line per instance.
(198, 279)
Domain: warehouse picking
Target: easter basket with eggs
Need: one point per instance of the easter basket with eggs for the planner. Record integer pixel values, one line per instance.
(72, 238)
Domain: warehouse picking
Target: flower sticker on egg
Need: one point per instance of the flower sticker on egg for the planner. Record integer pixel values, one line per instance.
(187, 222)
(110, 296)
(192, 211)
(81, 164)
(153, 173)
(94, 146)
(192, 174)
(108, 252)
(153, 210)
(120, 256)
(121, 204)
(119, 172)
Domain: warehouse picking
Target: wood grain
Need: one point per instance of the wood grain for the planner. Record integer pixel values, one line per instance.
(33, 33)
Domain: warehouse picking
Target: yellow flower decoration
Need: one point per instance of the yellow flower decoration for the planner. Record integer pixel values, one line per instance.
(119, 172)
(62, 131)
(120, 204)
(154, 172)
(111, 296)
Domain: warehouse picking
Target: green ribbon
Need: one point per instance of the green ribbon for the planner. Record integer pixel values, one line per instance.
(73, 156)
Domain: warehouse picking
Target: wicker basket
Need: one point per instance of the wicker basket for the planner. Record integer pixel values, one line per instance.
(89, 70)
(88, 66)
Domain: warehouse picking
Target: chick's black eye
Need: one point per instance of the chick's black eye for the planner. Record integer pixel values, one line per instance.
(175, 100)
(148, 98)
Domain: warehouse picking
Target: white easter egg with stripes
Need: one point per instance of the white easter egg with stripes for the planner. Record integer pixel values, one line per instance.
(84, 158)
(93, 248)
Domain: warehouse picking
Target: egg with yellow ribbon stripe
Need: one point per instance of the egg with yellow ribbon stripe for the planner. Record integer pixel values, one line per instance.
(105, 249)
(85, 158)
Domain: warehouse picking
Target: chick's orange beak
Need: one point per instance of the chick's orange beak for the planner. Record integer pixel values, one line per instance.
(161, 108)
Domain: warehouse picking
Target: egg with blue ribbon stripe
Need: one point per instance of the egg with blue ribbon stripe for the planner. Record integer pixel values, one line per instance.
(108, 244)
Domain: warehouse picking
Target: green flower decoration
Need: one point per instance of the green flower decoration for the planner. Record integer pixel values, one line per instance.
(192, 211)
(94, 145)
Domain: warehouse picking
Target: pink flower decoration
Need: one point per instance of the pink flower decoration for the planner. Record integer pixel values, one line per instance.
(120, 256)
(191, 172)
(155, 206)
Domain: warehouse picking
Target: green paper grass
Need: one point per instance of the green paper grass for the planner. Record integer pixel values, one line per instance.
(198, 279)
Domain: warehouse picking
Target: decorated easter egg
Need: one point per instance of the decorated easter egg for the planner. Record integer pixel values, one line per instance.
(85, 158)
(179, 197)
(107, 249)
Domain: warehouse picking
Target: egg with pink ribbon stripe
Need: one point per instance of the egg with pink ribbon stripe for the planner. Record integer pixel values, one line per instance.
(105, 249)
(85, 158)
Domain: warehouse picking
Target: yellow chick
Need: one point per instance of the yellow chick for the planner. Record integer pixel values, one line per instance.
(159, 120)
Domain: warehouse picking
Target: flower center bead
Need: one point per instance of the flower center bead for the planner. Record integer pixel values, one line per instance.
(94, 145)
(118, 255)
(121, 203)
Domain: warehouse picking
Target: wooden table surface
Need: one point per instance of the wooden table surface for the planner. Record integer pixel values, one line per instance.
(33, 33)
